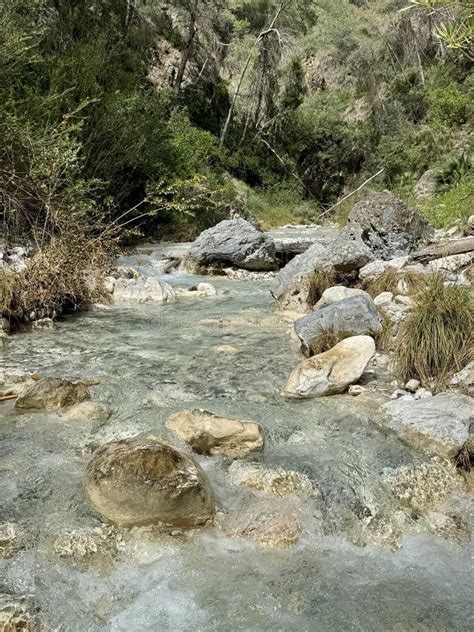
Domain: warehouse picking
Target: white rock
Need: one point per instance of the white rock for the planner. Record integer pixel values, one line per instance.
(356, 389)
(375, 268)
(331, 372)
(142, 290)
(412, 386)
(423, 393)
(207, 288)
(385, 298)
(337, 293)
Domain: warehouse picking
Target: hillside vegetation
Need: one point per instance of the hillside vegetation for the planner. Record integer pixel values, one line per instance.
(160, 117)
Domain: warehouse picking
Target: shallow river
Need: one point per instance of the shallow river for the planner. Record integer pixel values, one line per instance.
(342, 574)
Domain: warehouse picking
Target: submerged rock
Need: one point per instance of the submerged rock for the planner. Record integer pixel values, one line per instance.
(11, 540)
(94, 411)
(80, 544)
(234, 242)
(442, 423)
(210, 434)
(52, 393)
(353, 316)
(271, 481)
(422, 487)
(331, 372)
(144, 481)
(18, 615)
(141, 290)
(390, 228)
(271, 530)
(14, 381)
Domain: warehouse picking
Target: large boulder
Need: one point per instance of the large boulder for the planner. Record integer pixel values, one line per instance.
(389, 227)
(210, 434)
(353, 316)
(141, 290)
(344, 255)
(144, 481)
(236, 243)
(443, 423)
(52, 393)
(333, 371)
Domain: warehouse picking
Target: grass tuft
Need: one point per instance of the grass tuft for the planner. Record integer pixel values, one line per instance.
(389, 280)
(437, 339)
(320, 281)
(326, 340)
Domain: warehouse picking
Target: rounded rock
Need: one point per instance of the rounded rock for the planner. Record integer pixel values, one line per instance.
(144, 481)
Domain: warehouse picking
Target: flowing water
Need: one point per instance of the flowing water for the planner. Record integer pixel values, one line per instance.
(365, 559)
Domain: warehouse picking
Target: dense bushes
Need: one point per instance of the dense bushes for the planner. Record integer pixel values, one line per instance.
(85, 132)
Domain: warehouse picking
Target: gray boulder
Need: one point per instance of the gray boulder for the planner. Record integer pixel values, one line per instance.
(388, 226)
(236, 243)
(443, 423)
(345, 254)
(353, 316)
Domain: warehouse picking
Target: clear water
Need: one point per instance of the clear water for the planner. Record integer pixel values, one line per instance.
(154, 360)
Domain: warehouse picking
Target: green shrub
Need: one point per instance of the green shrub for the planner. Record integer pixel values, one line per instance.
(437, 339)
(448, 105)
(448, 207)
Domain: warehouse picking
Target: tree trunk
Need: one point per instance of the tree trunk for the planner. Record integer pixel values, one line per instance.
(186, 53)
(444, 249)
(235, 96)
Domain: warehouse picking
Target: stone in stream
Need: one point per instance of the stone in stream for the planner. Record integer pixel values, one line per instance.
(234, 242)
(94, 411)
(11, 540)
(210, 434)
(52, 393)
(333, 371)
(443, 423)
(18, 615)
(390, 228)
(270, 530)
(146, 481)
(353, 316)
(14, 381)
(271, 481)
(141, 290)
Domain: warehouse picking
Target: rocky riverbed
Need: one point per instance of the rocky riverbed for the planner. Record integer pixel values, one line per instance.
(335, 523)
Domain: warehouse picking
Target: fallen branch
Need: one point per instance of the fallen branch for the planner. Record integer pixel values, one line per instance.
(349, 195)
(444, 249)
(6, 398)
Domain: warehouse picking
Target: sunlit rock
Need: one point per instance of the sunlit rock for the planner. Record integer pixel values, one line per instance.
(145, 480)
(333, 371)
(52, 394)
(142, 290)
(234, 242)
(441, 423)
(210, 434)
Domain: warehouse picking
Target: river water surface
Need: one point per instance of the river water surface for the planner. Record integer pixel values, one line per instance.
(356, 565)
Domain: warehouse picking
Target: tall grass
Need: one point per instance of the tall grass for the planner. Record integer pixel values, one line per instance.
(437, 339)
